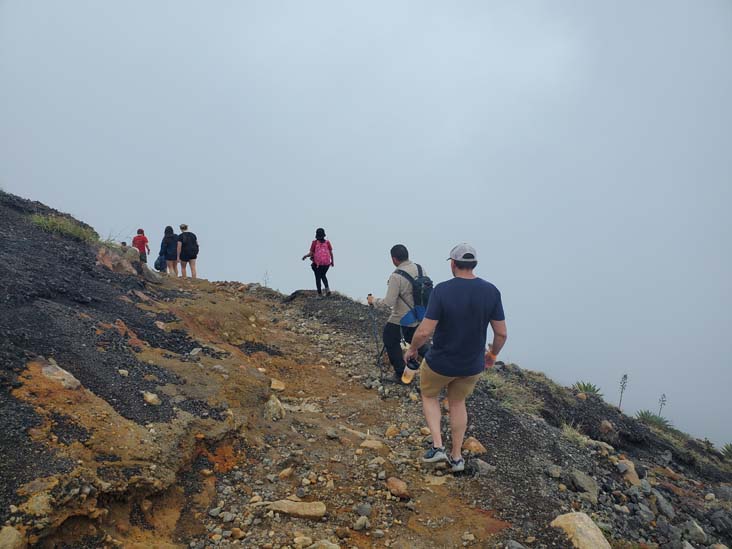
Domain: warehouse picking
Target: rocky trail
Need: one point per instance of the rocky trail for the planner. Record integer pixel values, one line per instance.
(147, 412)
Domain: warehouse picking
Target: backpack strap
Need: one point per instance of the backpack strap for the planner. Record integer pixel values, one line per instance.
(406, 275)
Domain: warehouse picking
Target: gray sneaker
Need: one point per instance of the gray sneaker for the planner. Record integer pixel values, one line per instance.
(433, 455)
(456, 465)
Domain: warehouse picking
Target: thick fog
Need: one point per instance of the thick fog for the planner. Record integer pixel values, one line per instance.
(584, 148)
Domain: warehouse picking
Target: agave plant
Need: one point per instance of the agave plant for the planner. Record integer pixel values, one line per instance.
(727, 451)
(587, 387)
(656, 420)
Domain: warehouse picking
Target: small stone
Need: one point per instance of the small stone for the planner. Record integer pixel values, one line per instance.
(710, 497)
(378, 534)
(474, 446)
(53, 371)
(424, 431)
(397, 487)
(363, 509)
(554, 471)
(123, 373)
(582, 482)
(582, 396)
(362, 524)
(273, 409)
(276, 385)
(372, 444)
(332, 434)
(391, 431)
(467, 536)
(206, 472)
(485, 468)
(606, 427)
(627, 468)
(302, 541)
(215, 512)
(10, 538)
(286, 473)
(227, 517)
(302, 509)
(695, 532)
(195, 351)
(151, 398)
(146, 505)
(381, 475)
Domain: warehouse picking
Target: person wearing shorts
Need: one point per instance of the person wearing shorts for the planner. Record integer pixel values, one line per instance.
(457, 319)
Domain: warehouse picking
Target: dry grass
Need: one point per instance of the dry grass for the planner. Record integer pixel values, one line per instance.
(512, 394)
(64, 226)
(571, 433)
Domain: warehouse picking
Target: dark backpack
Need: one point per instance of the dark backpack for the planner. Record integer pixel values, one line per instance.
(189, 243)
(421, 291)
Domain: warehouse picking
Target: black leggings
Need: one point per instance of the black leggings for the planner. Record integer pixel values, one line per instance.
(320, 276)
(392, 339)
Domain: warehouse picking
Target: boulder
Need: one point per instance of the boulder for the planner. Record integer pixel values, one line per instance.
(606, 427)
(581, 531)
(663, 505)
(10, 538)
(301, 509)
(372, 444)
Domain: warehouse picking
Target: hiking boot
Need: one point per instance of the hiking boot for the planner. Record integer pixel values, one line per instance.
(456, 465)
(433, 455)
(327, 292)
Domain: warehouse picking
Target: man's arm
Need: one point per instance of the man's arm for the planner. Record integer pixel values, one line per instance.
(500, 335)
(421, 336)
(392, 292)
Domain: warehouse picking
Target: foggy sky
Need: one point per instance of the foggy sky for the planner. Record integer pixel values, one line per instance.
(584, 148)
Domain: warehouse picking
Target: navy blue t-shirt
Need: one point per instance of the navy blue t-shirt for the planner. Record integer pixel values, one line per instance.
(463, 309)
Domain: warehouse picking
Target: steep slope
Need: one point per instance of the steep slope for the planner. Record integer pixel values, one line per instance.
(145, 412)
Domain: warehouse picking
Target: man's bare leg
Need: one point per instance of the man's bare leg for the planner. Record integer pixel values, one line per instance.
(431, 408)
(193, 268)
(458, 425)
(183, 268)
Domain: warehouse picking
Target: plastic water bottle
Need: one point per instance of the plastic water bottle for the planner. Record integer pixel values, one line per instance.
(410, 370)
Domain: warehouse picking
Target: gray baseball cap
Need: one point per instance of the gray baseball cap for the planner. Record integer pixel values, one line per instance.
(463, 252)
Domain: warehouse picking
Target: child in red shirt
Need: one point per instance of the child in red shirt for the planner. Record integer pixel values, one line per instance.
(140, 242)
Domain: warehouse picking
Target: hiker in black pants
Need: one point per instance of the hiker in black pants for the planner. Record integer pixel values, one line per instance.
(400, 299)
(321, 254)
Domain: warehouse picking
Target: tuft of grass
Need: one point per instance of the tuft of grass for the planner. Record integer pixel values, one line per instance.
(513, 395)
(571, 433)
(727, 451)
(64, 226)
(652, 419)
(587, 387)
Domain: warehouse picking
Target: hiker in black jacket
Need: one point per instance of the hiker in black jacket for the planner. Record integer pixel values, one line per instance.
(187, 250)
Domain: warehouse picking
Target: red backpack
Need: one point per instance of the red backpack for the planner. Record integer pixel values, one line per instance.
(321, 257)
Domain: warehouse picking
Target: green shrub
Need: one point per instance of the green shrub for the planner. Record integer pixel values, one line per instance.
(587, 387)
(727, 451)
(655, 420)
(65, 226)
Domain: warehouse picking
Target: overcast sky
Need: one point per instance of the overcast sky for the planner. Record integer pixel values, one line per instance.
(584, 148)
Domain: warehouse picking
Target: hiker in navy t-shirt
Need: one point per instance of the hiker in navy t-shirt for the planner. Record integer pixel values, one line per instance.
(459, 313)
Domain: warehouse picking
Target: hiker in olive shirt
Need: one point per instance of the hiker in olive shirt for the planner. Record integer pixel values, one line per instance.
(400, 299)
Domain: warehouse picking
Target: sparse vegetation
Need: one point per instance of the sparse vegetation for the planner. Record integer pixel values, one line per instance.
(623, 385)
(661, 403)
(727, 451)
(513, 394)
(571, 433)
(65, 226)
(587, 388)
(654, 420)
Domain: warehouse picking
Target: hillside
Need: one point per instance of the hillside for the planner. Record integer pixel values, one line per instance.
(141, 411)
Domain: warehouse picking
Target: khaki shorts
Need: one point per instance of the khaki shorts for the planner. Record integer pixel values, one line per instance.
(458, 388)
